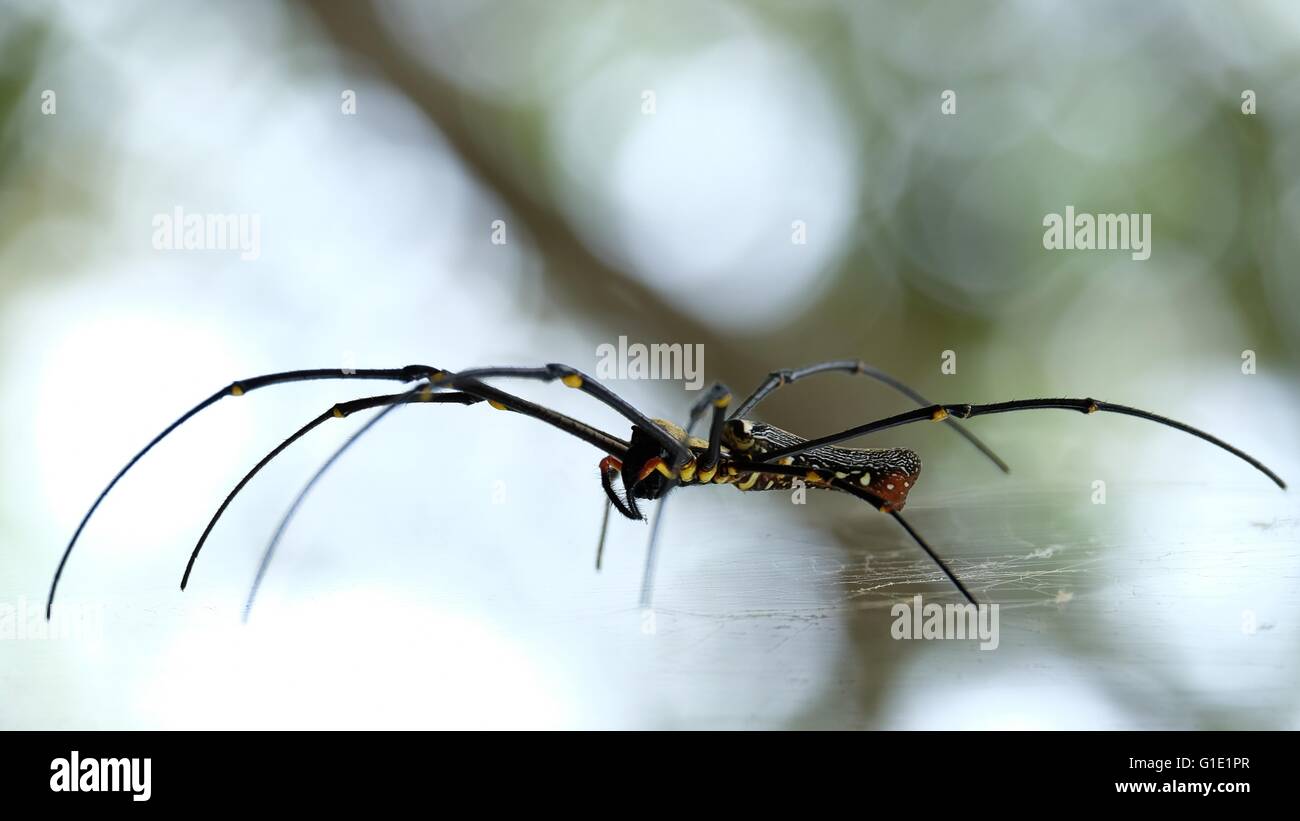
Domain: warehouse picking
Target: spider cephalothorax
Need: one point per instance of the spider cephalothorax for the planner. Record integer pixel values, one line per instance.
(648, 470)
(661, 455)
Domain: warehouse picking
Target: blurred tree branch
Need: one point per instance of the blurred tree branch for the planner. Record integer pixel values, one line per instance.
(470, 126)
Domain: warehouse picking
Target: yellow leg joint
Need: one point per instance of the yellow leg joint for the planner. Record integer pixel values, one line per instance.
(236, 390)
(494, 403)
(572, 380)
(939, 415)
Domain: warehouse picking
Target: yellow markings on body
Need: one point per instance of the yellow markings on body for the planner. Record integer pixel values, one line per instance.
(236, 390)
(785, 460)
(865, 479)
(665, 471)
(749, 483)
(706, 476)
(494, 403)
(814, 476)
(688, 471)
(939, 415)
(572, 380)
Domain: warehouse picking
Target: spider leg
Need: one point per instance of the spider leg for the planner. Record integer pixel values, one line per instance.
(422, 393)
(718, 397)
(942, 412)
(777, 379)
(880, 505)
(269, 552)
(573, 378)
(238, 388)
(652, 554)
(604, 529)
(471, 380)
(338, 411)
(865, 495)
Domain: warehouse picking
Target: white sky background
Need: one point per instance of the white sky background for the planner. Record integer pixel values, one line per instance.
(405, 595)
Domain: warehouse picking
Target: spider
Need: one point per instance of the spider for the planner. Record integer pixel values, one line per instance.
(660, 455)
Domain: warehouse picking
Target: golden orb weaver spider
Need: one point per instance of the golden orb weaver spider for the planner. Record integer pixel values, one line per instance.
(660, 455)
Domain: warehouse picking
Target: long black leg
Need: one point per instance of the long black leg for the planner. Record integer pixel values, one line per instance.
(849, 487)
(501, 400)
(776, 379)
(423, 393)
(652, 554)
(867, 496)
(718, 397)
(941, 412)
(237, 388)
(604, 529)
(338, 411)
(573, 378)
(269, 552)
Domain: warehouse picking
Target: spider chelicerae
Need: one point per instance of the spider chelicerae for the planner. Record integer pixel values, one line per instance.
(660, 456)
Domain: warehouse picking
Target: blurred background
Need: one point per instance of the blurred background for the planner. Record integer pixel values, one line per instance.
(777, 182)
